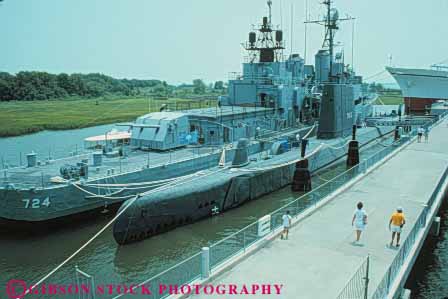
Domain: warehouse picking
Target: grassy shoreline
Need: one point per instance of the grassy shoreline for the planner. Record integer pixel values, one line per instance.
(389, 99)
(20, 117)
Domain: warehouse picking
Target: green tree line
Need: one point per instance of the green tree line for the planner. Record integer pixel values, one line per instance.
(31, 86)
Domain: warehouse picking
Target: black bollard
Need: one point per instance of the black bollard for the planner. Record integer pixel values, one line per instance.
(353, 150)
(303, 147)
(301, 181)
(397, 133)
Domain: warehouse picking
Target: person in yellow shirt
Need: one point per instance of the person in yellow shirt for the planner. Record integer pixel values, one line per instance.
(396, 225)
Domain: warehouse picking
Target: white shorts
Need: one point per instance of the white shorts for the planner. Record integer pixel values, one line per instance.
(360, 226)
(395, 228)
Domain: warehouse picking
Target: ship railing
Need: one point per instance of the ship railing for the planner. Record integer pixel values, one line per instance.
(121, 168)
(217, 256)
(439, 67)
(234, 76)
(275, 80)
(252, 58)
(53, 154)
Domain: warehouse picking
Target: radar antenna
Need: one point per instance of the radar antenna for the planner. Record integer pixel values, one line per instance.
(268, 45)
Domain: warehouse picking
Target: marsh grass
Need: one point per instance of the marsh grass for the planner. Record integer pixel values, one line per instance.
(21, 117)
(390, 99)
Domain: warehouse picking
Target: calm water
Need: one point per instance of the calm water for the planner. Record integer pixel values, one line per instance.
(429, 277)
(30, 258)
(56, 144)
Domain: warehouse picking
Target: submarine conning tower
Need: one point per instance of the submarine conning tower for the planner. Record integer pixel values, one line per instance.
(338, 95)
(268, 78)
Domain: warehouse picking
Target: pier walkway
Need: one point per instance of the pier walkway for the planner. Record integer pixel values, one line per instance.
(319, 259)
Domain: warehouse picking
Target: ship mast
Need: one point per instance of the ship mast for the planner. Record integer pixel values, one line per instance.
(329, 37)
(268, 44)
(270, 11)
(331, 26)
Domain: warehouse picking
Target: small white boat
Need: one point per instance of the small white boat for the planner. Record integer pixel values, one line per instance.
(113, 138)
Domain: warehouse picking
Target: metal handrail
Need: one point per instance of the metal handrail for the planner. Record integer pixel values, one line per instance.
(166, 271)
(384, 286)
(392, 272)
(358, 283)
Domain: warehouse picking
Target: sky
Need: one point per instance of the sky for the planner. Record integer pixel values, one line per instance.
(181, 40)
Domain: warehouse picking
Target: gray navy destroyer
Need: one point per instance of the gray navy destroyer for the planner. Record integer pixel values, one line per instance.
(287, 94)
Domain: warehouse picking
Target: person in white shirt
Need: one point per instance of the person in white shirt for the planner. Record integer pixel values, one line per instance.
(286, 225)
(426, 134)
(420, 132)
(359, 220)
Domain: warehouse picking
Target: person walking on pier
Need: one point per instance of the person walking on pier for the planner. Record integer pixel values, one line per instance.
(420, 132)
(286, 225)
(359, 220)
(426, 133)
(396, 224)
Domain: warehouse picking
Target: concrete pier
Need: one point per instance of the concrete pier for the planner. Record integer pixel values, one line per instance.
(320, 258)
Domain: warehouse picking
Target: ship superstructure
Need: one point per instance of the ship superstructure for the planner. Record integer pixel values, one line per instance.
(291, 91)
(339, 86)
(421, 87)
(268, 80)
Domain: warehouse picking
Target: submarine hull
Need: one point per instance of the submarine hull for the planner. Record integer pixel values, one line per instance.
(221, 190)
(166, 210)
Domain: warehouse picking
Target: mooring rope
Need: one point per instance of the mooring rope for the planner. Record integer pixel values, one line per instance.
(136, 197)
(122, 187)
(310, 131)
(334, 147)
(141, 183)
(320, 178)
